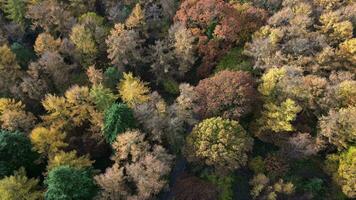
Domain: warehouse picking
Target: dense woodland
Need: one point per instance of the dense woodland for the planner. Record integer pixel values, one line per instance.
(177, 100)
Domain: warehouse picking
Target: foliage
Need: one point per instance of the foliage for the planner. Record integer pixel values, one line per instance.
(264, 189)
(103, 97)
(137, 162)
(339, 127)
(227, 94)
(19, 187)
(346, 171)
(47, 141)
(132, 90)
(118, 118)
(67, 183)
(221, 143)
(69, 159)
(224, 183)
(14, 117)
(15, 152)
(15, 10)
(234, 60)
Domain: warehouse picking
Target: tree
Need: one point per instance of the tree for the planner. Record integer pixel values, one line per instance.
(9, 70)
(47, 141)
(89, 36)
(118, 118)
(123, 44)
(69, 159)
(346, 171)
(278, 118)
(51, 16)
(102, 97)
(219, 26)
(67, 183)
(264, 189)
(138, 164)
(15, 10)
(227, 94)
(132, 90)
(339, 127)
(220, 143)
(14, 117)
(19, 187)
(46, 42)
(15, 151)
(112, 183)
(191, 187)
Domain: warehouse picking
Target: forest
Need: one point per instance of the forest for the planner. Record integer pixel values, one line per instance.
(177, 99)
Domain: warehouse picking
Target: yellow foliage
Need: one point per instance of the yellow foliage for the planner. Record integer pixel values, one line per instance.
(132, 90)
(83, 39)
(10, 104)
(270, 79)
(7, 58)
(347, 93)
(70, 159)
(136, 17)
(47, 141)
(347, 49)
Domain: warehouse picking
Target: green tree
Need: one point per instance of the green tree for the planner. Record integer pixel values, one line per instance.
(221, 143)
(15, 151)
(15, 10)
(118, 118)
(19, 187)
(67, 183)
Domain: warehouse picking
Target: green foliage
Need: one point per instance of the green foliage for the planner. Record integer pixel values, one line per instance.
(224, 183)
(15, 151)
(257, 165)
(112, 76)
(15, 10)
(19, 187)
(102, 97)
(171, 86)
(23, 54)
(234, 61)
(118, 118)
(66, 183)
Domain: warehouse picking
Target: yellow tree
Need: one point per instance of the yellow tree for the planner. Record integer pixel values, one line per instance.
(132, 90)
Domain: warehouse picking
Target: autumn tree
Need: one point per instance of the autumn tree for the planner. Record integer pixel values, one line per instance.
(137, 163)
(15, 151)
(9, 70)
(346, 171)
(18, 186)
(205, 144)
(263, 188)
(122, 45)
(132, 90)
(174, 56)
(339, 127)
(65, 182)
(46, 42)
(51, 16)
(89, 35)
(47, 141)
(227, 94)
(13, 116)
(70, 159)
(219, 26)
